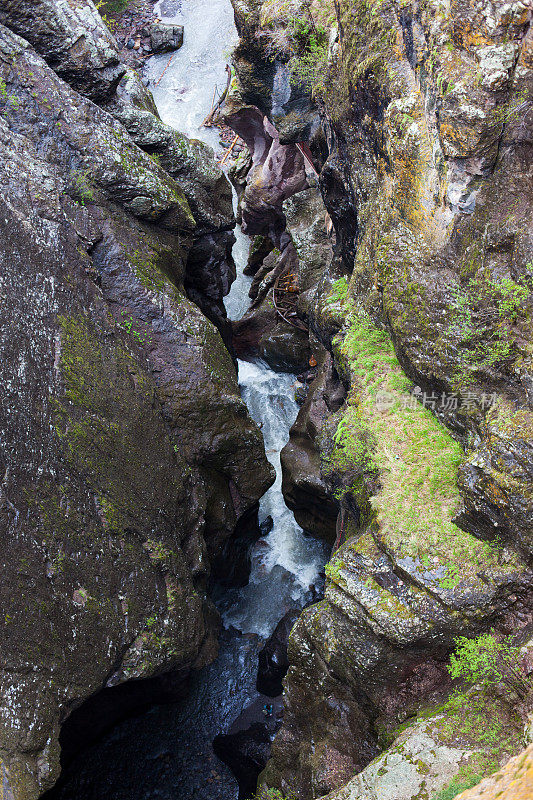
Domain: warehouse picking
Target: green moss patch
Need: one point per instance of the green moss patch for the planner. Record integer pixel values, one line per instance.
(477, 719)
(103, 424)
(484, 312)
(384, 434)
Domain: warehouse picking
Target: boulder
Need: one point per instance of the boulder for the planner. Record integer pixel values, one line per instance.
(165, 38)
(285, 348)
(72, 38)
(415, 767)
(446, 748)
(273, 658)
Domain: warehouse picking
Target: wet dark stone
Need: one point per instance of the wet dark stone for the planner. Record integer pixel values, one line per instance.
(167, 753)
(246, 748)
(285, 348)
(232, 567)
(273, 658)
(166, 38)
(300, 394)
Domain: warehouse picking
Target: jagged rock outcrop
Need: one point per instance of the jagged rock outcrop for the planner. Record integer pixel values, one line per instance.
(304, 488)
(246, 746)
(444, 750)
(128, 457)
(428, 456)
(72, 38)
(273, 659)
(210, 270)
(76, 43)
(275, 172)
(307, 251)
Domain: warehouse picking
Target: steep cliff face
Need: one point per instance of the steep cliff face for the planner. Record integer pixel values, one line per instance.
(127, 456)
(75, 42)
(425, 311)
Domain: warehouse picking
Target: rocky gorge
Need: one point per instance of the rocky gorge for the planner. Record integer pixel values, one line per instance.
(385, 183)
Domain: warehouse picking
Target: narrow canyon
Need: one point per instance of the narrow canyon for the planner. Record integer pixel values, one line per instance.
(266, 399)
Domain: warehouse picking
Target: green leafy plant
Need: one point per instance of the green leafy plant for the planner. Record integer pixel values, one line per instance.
(488, 660)
(333, 569)
(485, 309)
(300, 41)
(115, 7)
(308, 65)
(127, 324)
(81, 186)
(338, 293)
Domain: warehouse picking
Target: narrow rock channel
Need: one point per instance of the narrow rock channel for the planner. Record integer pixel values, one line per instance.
(266, 400)
(168, 751)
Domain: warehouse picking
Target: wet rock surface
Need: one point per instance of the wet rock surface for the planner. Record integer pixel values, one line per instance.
(122, 428)
(426, 186)
(165, 38)
(273, 658)
(168, 751)
(246, 747)
(73, 40)
(304, 488)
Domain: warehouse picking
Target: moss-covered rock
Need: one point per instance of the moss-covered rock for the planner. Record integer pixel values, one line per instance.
(73, 39)
(128, 457)
(513, 782)
(426, 182)
(449, 747)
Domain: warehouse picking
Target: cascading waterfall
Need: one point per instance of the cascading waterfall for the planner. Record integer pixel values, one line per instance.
(285, 564)
(167, 752)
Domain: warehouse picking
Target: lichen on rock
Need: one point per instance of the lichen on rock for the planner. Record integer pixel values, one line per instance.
(425, 311)
(128, 457)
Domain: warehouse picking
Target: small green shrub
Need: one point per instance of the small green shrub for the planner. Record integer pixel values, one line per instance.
(112, 6)
(308, 66)
(81, 186)
(484, 312)
(338, 293)
(488, 660)
(302, 43)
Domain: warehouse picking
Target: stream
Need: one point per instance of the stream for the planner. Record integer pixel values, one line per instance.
(167, 752)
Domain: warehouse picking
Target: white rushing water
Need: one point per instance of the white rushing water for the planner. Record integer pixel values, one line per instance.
(185, 92)
(183, 86)
(286, 562)
(237, 302)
